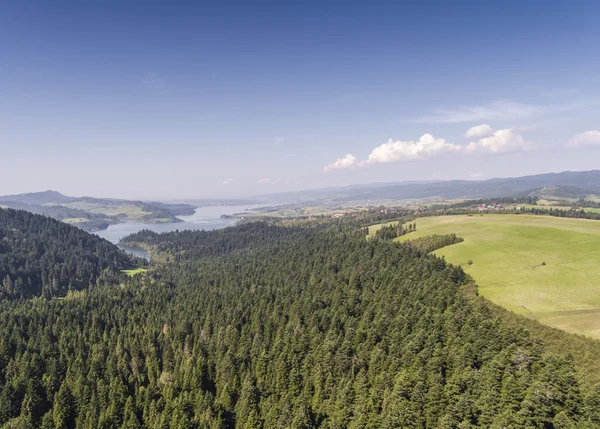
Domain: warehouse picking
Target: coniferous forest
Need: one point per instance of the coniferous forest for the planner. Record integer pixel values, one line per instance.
(269, 326)
(40, 256)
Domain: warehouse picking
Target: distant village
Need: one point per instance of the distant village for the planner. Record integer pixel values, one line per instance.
(487, 207)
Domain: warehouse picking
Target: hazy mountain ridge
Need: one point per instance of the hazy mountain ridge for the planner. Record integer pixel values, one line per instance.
(587, 182)
(93, 214)
(97, 213)
(39, 198)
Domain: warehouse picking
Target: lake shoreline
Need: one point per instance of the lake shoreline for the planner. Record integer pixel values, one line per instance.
(206, 218)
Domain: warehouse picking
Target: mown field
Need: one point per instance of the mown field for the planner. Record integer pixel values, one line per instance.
(508, 253)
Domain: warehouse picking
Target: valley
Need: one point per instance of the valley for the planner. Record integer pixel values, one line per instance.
(299, 215)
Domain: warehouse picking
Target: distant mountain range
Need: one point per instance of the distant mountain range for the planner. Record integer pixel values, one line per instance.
(576, 184)
(93, 214)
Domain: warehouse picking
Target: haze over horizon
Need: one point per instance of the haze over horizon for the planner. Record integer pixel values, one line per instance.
(303, 190)
(212, 100)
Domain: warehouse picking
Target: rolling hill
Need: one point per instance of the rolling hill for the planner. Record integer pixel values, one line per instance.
(93, 214)
(40, 256)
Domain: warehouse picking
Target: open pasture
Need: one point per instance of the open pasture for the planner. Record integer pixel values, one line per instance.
(134, 271)
(543, 267)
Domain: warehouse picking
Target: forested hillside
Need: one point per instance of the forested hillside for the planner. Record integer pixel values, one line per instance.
(196, 245)
(40, 256)
(280, 327)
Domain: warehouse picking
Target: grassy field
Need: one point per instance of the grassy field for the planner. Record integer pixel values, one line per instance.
(592, 209)
(556, 207)
(74, 220)
(135, 271)
(132, 211)
(507, 252)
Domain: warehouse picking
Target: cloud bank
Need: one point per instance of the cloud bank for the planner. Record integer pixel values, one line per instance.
(479, 131)
(501, 141)
(486, 141)
(341, 163)
(587, 138)
(395, 151)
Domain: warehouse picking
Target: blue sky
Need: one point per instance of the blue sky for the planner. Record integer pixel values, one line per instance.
(190, 99)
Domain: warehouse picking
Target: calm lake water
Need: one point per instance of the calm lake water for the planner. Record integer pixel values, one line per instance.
(207, 218)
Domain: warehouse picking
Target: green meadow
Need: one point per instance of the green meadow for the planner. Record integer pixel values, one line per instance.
(74, 220)
(132, 211)
(543, 267)
(557, 207)
(134, 271)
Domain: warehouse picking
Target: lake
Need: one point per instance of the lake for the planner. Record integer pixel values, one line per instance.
(206, 218)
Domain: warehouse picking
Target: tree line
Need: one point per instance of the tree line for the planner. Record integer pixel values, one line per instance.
(433, 242)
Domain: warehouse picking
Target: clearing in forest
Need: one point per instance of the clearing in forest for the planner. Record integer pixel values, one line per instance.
(134, 271)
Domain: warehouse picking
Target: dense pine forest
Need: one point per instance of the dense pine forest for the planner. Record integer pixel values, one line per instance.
(433, 242)
(274, 326)
(40, 256)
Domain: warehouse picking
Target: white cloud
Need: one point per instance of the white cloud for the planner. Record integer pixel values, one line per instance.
(476, 175)
(502, 141)
(479, 131)
(491, 142)
(496, 110)
(227, 182)
(587, 138)
(346, 162)
(263, 181)
(426, 146)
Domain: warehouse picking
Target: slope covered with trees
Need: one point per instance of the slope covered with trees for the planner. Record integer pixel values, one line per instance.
(429, 243)
(40, 256)
(269, 326)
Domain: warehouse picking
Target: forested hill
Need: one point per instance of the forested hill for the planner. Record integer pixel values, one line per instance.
(40, 256)
(313, 327)
(195, 245)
